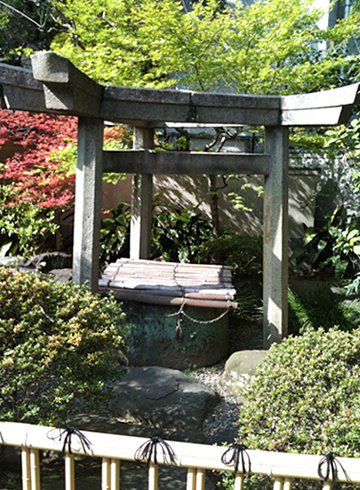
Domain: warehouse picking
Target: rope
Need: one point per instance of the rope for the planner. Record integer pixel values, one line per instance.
(2, 99)
(148, 451)
(69, 432)
(331, 468)
(233, 455)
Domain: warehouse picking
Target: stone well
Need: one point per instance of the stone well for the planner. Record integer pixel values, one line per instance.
(156, 338)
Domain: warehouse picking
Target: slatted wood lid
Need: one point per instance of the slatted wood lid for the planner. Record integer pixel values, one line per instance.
(169, 283)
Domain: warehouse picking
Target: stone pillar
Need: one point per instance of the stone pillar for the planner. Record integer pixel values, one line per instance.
(88, 202)
(276, 236)
(141, 207)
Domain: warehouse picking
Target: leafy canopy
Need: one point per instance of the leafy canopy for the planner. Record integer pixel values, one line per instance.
(25, 26)
(270, 47)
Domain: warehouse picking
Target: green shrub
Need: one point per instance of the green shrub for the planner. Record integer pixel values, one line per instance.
(178, 234)
(319, 308)
(306, 397)
(115, 234)
(336, 245)
(24, 226)
(58, 344)
(243, 253)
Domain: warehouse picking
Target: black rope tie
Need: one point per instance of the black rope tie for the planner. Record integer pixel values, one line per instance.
(234, 455)
(70, 433)
(3, 104)
(148, 451)
(331, 469)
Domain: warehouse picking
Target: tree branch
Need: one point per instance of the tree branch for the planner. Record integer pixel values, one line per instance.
(22, 14)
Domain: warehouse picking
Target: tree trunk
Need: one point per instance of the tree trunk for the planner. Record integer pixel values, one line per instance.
(214, 204)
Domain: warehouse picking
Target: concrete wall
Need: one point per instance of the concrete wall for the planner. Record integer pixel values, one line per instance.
(183, 191)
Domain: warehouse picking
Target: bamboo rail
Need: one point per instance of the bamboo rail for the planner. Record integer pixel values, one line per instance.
(197, 458)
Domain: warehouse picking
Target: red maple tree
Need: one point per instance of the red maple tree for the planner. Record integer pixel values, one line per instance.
(35, 174)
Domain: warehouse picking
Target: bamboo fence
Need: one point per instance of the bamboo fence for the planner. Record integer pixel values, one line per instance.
(197, 458)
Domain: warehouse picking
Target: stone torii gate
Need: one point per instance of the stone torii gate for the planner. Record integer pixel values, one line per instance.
(55, 86)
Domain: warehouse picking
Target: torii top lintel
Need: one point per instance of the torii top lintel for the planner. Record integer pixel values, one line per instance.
(56, 86)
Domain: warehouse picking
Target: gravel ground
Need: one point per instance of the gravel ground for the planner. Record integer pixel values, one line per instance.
(243, 336)
(226, 414)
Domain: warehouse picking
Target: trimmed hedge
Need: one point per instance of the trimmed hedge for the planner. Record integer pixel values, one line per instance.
(306, 397)
(58, 344)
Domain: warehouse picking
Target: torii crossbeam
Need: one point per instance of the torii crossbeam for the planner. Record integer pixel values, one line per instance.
(55, 86)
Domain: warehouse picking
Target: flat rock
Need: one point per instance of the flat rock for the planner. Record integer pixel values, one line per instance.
(240, 370)
(49, 261)
(63, 276)
(166, 398)
(11, 261)
(109, 425)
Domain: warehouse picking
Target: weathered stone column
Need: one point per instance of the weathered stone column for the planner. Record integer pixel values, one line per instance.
(88, 202)
(276, 236)
(142, 194)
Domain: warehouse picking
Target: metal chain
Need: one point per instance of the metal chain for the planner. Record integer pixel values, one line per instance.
(206, 322)
(181, 312)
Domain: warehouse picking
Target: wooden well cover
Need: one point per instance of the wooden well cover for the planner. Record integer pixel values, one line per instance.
(169, 283)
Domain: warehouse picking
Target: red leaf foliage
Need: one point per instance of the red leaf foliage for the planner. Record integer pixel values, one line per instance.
(118, 133)
(31, 173)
